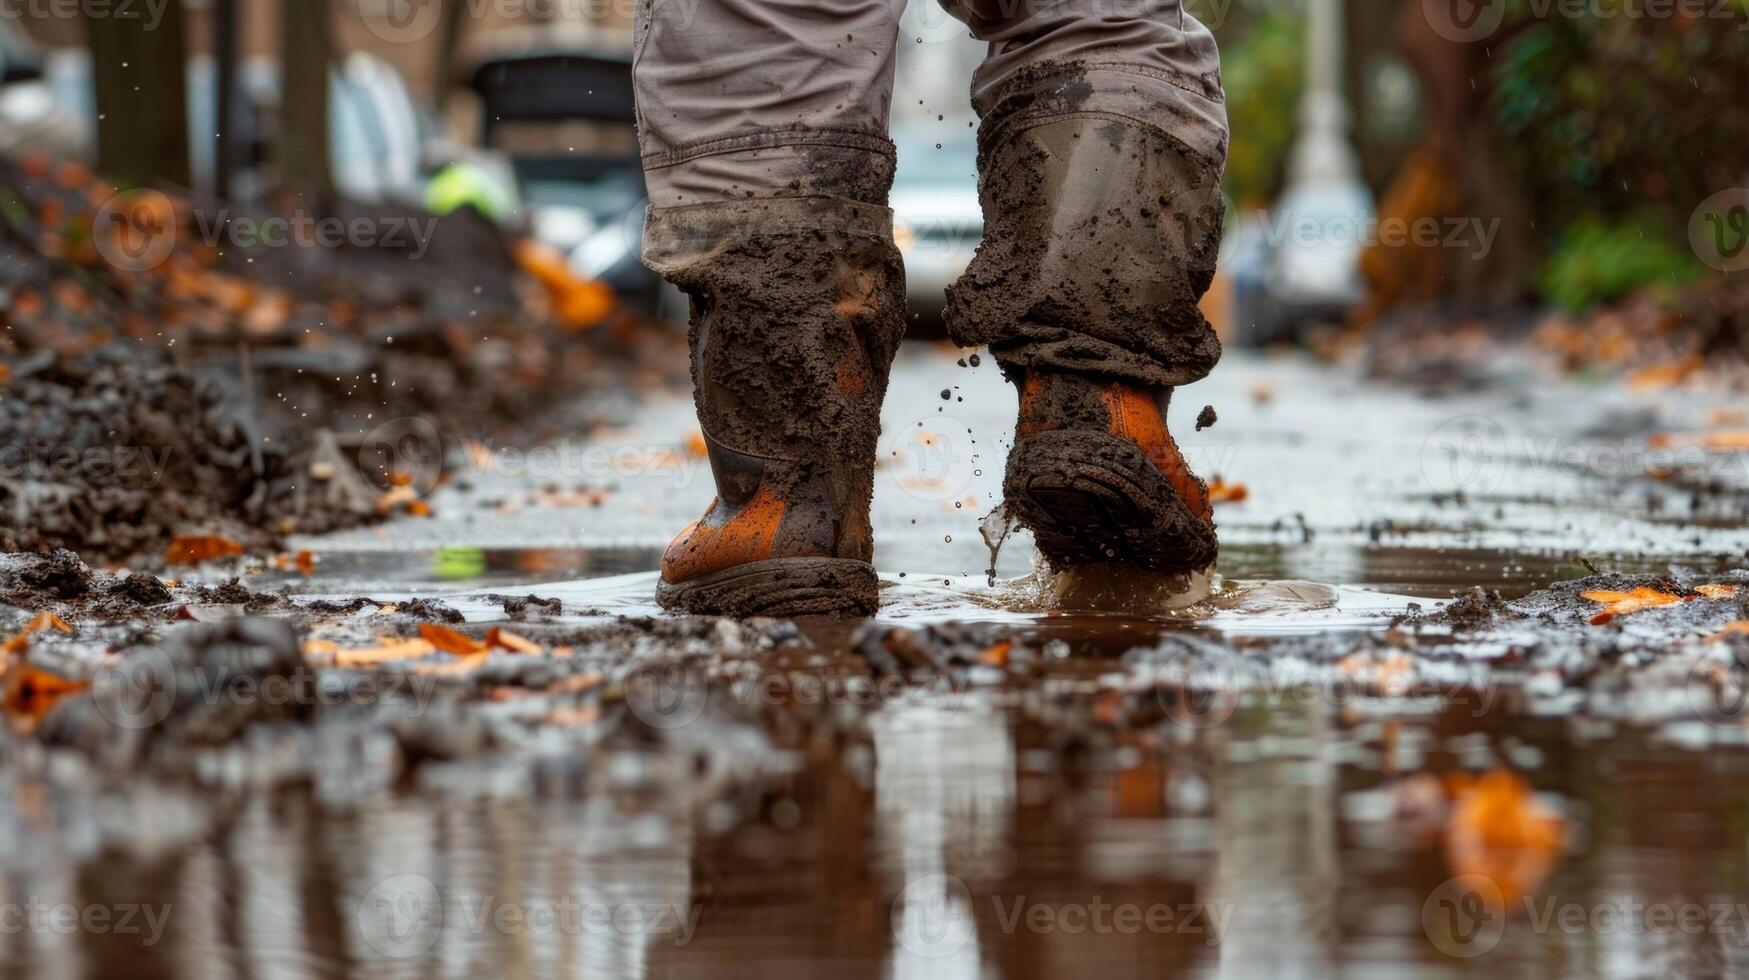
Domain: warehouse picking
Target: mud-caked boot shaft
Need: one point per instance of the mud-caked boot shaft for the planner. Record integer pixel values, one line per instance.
(1100, 237)
(1098, 479)
(797, 310)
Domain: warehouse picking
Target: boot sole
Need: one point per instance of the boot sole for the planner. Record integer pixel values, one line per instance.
(1092, 498)
(778, 587)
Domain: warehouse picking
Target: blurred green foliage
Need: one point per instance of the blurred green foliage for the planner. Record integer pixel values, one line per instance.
(1618, 124)
(1261, 69)
(1598, 261)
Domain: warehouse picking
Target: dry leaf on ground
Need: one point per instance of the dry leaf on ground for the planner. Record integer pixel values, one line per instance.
(1222, 492)
(503, 639)
(192, 549)
(450, 641)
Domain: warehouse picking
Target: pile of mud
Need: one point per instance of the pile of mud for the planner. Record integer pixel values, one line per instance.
(176, 380)
(150, 698)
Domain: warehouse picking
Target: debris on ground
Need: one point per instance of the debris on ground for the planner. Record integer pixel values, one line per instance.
(199, 398)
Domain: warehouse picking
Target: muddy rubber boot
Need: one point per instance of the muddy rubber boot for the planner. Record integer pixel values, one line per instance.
(1101, 235)
(797, 309)
(1097, 478)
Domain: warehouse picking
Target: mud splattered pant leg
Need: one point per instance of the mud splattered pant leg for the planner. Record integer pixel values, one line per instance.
(763, 129)
(1101, 148)
(765, 98)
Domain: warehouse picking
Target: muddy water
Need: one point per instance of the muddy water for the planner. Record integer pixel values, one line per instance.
(1043, 821)
(970, 832)
(972, 825)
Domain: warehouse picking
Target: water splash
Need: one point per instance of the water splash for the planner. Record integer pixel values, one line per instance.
(995, 529)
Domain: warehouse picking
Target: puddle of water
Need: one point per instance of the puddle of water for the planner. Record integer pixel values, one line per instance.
(973, 834)
(1422, 573)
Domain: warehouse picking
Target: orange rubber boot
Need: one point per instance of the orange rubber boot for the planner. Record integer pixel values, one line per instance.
(797, 309)
(1097, 478)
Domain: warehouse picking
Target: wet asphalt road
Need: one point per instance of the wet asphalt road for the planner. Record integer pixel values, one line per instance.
(1348, 483)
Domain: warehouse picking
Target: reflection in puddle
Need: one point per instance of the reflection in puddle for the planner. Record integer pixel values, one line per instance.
(984, 832)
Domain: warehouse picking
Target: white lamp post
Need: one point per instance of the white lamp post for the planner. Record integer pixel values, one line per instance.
(1325, 212)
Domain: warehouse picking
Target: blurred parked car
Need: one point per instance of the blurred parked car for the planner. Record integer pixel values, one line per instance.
(564, 114)
(937, 221)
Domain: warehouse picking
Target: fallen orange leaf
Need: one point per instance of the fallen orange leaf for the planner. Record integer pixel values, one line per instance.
(192, 549)
(1719, 591)
(1727, 441)
(1741, 626)
(1621, 603)
(47, 621)
(503, 639)
(32, 692)
(996, 655)
(695, 445)
(1222, 492)
(387, 650)
(1664, 375)
(1499, 830)
(449, 641)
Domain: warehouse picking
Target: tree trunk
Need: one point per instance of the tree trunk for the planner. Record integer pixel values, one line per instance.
(448, 39)
(306, 44)
(227, 108)
(139, 72)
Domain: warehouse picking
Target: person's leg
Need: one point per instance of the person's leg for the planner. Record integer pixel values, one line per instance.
(763, 130)
(1101, 148)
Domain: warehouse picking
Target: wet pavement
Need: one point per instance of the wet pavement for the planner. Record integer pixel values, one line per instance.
(1317, 770)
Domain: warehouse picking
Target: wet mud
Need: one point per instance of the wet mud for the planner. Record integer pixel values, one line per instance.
(1134, 314)
(252, 392)
(789, 777)
(797, 312)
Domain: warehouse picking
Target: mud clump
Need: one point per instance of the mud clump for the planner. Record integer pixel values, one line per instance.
(116, 451)
(203, 685)
(1128, 307)
(244, 392)
(31, 581)
(521, 608)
